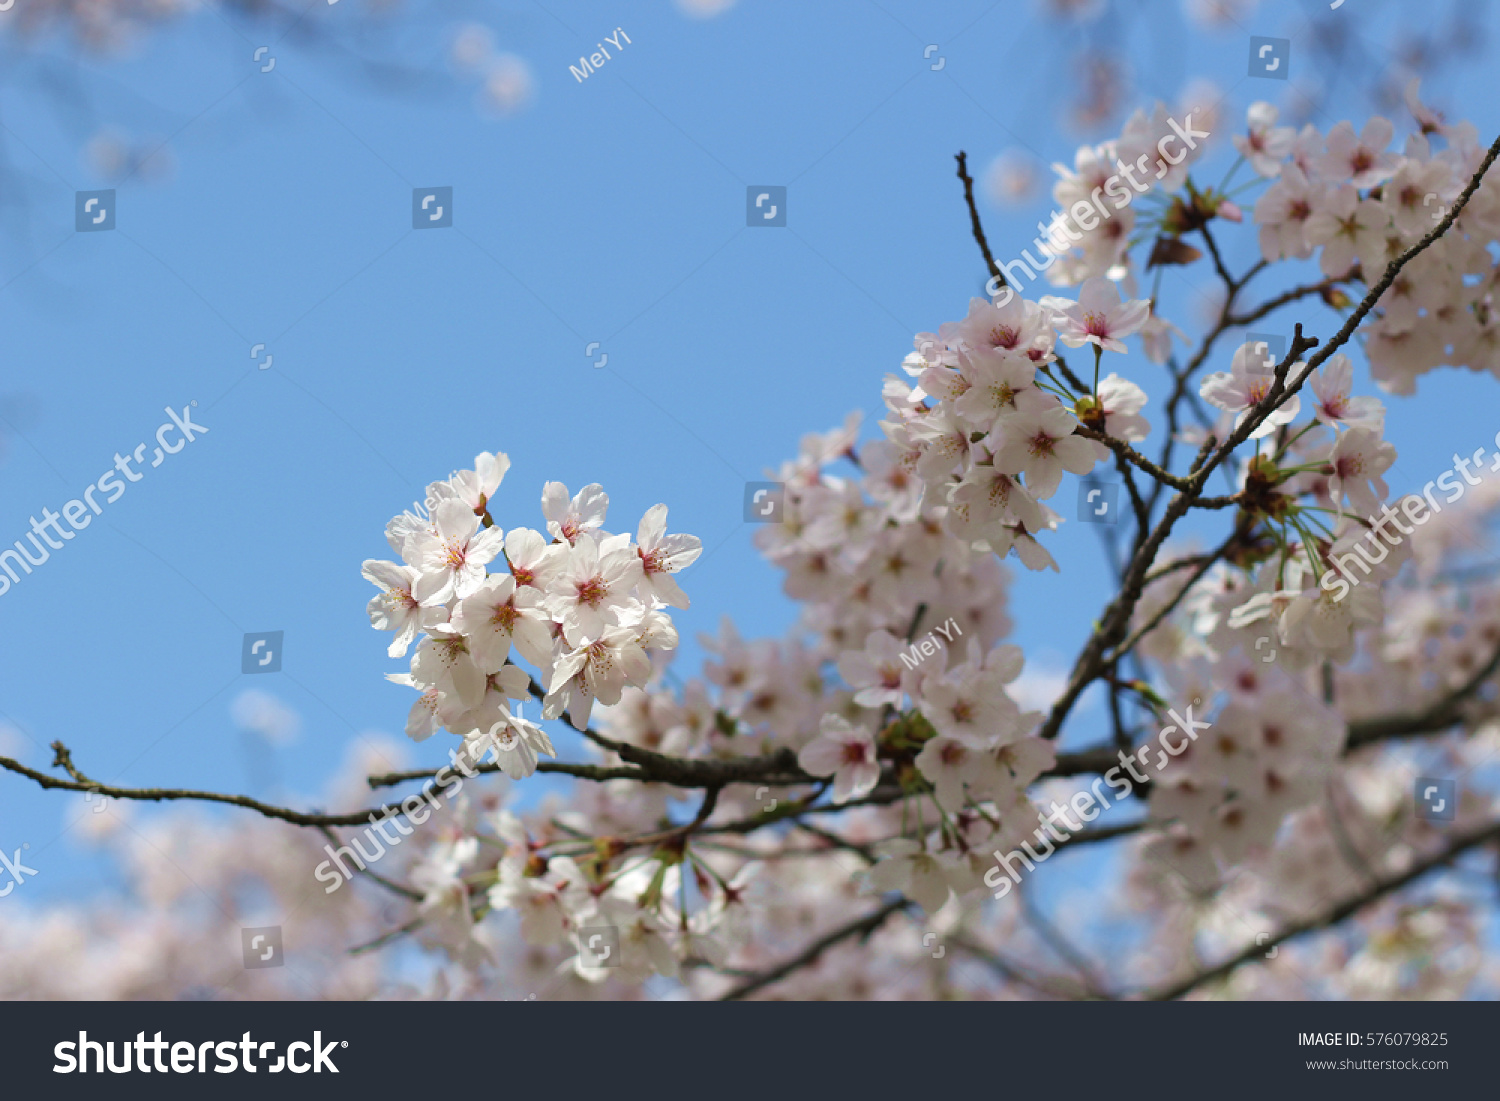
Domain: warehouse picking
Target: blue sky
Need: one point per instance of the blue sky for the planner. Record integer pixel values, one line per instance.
(610, 210)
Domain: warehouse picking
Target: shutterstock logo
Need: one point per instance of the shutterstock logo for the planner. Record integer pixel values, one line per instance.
(764, 502)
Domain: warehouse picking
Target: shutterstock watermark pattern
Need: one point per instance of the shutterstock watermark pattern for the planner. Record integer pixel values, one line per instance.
(1086, 214)
(15, 869)
(80, 513)
(1416, 508)
(416, 808)
(1088, 805)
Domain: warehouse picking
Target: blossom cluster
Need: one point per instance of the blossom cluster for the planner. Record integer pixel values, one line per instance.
(582, 605)
(996, 438)
(874, 565)
(1357, 204)
(1103, 246)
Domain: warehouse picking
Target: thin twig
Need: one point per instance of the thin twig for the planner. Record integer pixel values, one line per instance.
(860, 927)
(1114, 623)
(1061, 946)
(1459, 846)
(1439, 716)
(984, 245)
(80, 782)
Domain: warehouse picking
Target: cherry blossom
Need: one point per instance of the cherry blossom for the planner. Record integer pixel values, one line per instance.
(1283, 213)
(569, 518)
(1122, 401)
(1245, 385)
(663, 555)
(497, 614)
(1098, 317)
(918, 874)
(593, 586)
(845, 753)
(877, 673)
(451, 560)
(1266, 145)
(1333, 384)
(1041, 445)
(1361, 159)
(1350, 229)
(395, 608)
(1358, 460)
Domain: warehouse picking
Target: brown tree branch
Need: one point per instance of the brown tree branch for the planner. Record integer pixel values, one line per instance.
(1441, 715)
(1271, 305)
(1061, 946)
(1010, 970)
(1131, 455)
(984, 246)
(1114, 623)
(1348, 908)
(861, 927)
(80, 782)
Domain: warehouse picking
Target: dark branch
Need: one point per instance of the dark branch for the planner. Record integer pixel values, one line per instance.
(1344, 910)
(80, 782)
(1442, 715)
(860, 927)
(984, 246)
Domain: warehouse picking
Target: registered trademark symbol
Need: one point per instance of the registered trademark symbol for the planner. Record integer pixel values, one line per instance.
(345, 1043)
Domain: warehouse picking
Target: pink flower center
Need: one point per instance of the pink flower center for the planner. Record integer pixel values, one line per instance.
(1096, 324)
(505, 616)
(592, 592)
(654, 561)
(1002, 393)
(1000, 490)
(1041, 444)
